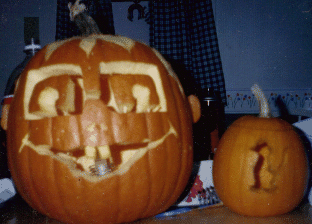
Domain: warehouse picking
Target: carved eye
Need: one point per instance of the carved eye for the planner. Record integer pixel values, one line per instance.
(53, 91)
(56, 96)
(129, 93)
(132, 87)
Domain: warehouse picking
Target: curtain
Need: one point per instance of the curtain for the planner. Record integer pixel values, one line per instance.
(99, 10)
(184, 32)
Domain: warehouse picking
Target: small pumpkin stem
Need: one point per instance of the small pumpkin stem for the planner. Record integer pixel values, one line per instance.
(83, 20)
(264, 106)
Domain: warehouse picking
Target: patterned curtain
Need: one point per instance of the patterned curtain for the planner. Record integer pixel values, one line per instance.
(99, 10)
(184, 31)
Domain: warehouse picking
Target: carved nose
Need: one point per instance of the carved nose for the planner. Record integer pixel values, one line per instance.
(101, 125)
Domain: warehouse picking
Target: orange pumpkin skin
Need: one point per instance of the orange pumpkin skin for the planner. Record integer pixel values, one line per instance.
(40, 149)
(260, 167)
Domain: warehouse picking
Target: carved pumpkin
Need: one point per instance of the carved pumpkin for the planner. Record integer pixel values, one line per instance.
(100, 131)
(260, 167)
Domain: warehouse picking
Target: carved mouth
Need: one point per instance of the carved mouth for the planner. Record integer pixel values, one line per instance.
(99, 161)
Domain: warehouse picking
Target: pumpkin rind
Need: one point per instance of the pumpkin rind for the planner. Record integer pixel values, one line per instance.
(260, 183)
(146, 186)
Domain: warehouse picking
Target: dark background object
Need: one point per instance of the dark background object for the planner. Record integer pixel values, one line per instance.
(212, 116)
(31, 38)
(31, 30)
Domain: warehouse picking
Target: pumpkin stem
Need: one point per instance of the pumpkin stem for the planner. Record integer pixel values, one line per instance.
(83, 20)
(264, 106)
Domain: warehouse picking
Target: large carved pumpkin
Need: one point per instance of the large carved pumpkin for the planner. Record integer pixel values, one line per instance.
(99, 131)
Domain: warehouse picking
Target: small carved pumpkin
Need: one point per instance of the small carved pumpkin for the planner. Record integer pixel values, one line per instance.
(260, 167)
(100, 131)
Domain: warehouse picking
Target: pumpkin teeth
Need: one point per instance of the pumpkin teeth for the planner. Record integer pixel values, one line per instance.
(99, 160)
(104, 152)
(90, 152)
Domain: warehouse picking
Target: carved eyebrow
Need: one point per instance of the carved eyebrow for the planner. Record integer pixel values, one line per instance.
(135, 68)
(35, 76)
(169, 69)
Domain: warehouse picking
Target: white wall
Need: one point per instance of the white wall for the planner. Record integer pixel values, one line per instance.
(266, 42)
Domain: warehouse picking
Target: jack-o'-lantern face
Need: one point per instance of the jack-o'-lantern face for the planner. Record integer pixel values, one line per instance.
(111, 100)
(100, 109)
(131, 88)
